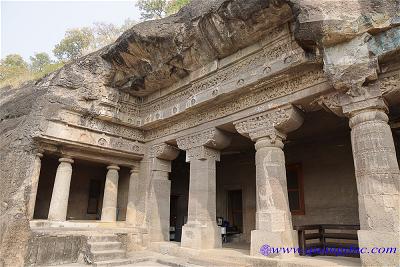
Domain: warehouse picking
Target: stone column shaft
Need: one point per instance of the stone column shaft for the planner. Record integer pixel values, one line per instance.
(131, 210)
(378, 184)
(60, 195)
(273, 218)
(160, 194)
(272, 199)
(34, 184)
(202, 151)
(109, 211)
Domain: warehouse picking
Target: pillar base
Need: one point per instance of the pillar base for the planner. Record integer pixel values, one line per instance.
(379, 239)
(284, 239)
(198, 236)
(109, 215)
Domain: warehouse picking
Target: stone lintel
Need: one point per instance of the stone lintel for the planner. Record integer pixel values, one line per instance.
(274, 124)
(205, 144)
(164, 151)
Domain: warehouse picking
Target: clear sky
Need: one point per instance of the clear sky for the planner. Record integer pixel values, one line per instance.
(36, 26)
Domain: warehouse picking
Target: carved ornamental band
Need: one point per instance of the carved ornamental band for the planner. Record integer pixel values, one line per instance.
(273, 124)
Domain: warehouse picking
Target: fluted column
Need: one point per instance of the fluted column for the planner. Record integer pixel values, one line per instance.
(60, 195)
(202, 151)
(160, 190)
(35, 174)
(131, 209)
(378, 180)
(273, 218)
(109, 211)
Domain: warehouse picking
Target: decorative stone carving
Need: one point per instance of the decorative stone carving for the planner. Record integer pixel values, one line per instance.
(263, 93)
(273, 123)
(330, 102)
(204, 144)
(164, 151)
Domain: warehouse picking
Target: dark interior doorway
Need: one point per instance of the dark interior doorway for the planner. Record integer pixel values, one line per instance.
(235, 210)
(180, 175)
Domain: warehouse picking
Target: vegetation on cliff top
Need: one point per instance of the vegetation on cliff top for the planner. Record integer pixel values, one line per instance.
(14, 70)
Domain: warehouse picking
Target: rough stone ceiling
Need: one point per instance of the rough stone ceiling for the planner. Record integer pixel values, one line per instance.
(155, 54)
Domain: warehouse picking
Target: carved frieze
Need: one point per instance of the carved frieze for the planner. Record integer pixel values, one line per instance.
(284, 120)
(71, 134)
(261, 93)
(99, 125)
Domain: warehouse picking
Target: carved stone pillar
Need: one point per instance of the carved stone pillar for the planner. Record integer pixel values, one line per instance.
(273, 217)
(34, 184)
(202, 151)
(110, 198)
(378, 179)
(60, 195)
(160, 194)
(131, 209)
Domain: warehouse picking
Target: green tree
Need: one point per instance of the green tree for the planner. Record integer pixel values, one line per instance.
(12, 66)
(175, 5)
(14, 61)
(39, 61)
(152, 9)
(74, 44)
(157, 9)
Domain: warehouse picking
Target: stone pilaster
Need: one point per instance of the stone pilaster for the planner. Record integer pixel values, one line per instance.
(60, 195)
(273, 218)
(378, 178)
(34, 184)
(131, 209)
(109, 210)
(202, 151)
(161, 157)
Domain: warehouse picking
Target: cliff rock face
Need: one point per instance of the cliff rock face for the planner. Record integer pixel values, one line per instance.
(155, 54)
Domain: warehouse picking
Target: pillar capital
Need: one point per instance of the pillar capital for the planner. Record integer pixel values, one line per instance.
(164, 151)
(270, 125)
(113, 167)
(204, 145)
(68, 160)
(134, 170)
(376, 115)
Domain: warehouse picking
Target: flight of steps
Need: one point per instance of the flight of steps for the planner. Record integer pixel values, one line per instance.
(106, 250)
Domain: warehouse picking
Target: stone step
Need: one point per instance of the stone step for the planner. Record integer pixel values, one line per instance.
(104, 255)
(105, 245)
(103, 238)
(115, 262)
(197, 261)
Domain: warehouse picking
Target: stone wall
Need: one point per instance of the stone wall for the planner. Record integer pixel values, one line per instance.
(44, 249)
